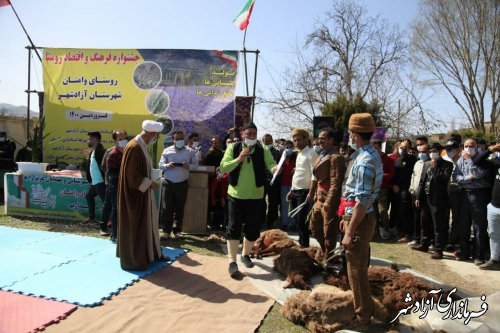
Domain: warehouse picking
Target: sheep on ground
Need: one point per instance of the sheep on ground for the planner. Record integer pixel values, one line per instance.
(390, 287)
(297, 266)
(266, 239)
(325, 309)
(277, 247)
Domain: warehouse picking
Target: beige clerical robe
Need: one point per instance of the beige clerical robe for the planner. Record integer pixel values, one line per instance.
(138, 242)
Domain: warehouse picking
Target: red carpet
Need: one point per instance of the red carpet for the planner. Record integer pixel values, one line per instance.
(20, 313)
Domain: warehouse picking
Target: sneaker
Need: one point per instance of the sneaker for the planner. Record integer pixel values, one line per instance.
(384, 234)
(449, 247)
(421, 248)
(490, 265)
(478, 262)
(437, 255)
(412, 243)
(233, 269)
(103, 233)
(247, 261)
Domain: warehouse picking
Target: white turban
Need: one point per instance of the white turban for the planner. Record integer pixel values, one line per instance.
(152, 126)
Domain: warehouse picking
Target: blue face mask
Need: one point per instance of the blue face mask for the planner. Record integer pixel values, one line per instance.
(179, 144)
(422, 156)
(289, 151)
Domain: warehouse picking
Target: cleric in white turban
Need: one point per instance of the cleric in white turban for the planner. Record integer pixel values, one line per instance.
(152, 126)
(138, 243)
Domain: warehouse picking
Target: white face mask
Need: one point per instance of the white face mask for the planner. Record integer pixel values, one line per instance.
(196, 144)
(470, 150)
(250, 142)
(179, 144)
(353, 144)
(434, 156)
(317, 149)
(270, 146)
(122, 143)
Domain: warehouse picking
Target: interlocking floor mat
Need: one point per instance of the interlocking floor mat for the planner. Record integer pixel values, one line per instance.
(21, 313)
(77, 269)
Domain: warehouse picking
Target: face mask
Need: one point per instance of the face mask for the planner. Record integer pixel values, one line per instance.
(270, 146)
(422, 156)
(289, 151)
(153, 140)
(450, 155)
(480, 150)
(196, 144)
(2, 139)
(434, 156)
(317, 149)
(122, 143)
(250, 142)
(353, 144)
(470, 150)
(179, 144)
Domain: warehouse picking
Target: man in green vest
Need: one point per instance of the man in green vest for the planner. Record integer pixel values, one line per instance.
(246, 163)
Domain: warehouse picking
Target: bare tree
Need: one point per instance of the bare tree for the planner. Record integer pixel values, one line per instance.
(348, 54)
(457, 42)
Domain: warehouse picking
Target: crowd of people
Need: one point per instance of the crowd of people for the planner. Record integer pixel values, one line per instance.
(434, 198)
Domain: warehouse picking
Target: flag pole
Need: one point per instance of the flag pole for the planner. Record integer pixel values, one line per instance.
(245, 59)
(27, 35)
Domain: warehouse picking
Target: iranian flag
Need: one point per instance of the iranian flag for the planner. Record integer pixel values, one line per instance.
(4, 3)
(243, 18)
(227, 57)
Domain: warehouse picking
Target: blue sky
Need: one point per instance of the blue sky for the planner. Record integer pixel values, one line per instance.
(275, 27)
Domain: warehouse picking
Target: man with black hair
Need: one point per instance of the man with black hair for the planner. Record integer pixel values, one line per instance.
(404, 168)
(272, 192)
(246, 163)
(175, 162)
(433, 189)
(95, 176)
(193, 143)
(452, 155)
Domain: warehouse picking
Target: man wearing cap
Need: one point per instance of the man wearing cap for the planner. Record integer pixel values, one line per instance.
(246, 163)
(175, 162)
(432, 196)
(138, 242)
(358, 223)
(329, 171)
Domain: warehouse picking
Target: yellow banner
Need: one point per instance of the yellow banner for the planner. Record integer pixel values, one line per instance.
(106, 89)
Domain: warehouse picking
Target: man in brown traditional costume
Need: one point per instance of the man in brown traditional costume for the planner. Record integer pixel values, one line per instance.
(329, 172)
(138, 242)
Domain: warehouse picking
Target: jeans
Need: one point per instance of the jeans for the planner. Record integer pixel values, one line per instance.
(494, 231)
(96, 190)
(473, 211)
(285, 208)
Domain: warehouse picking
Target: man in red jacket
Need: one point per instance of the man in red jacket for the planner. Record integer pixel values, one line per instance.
(381, 205)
